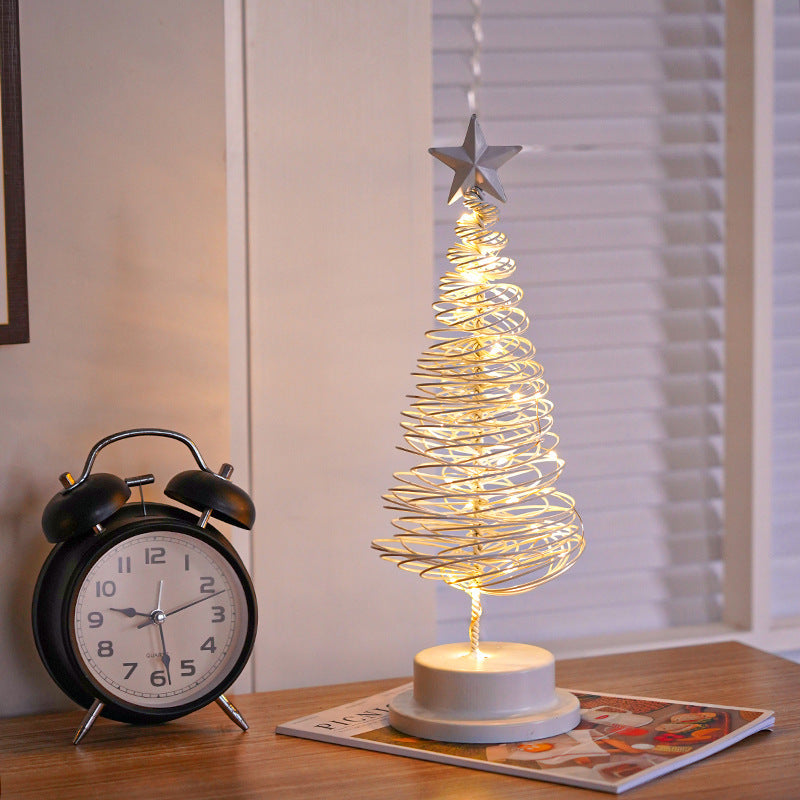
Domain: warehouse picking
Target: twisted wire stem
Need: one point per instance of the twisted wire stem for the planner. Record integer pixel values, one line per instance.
(481, 510)
(476, 610)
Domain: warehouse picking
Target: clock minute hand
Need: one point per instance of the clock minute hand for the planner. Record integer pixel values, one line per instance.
(181, 608)
(160, 619)
(164, 655)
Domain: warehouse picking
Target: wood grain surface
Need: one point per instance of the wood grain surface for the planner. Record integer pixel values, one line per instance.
(205, 756)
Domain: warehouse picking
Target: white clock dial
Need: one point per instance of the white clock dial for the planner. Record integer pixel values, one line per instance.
(160, 619)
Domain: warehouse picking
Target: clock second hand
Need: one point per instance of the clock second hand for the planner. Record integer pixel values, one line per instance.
(180, 608)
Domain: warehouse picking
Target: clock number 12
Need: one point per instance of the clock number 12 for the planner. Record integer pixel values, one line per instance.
(155, 555)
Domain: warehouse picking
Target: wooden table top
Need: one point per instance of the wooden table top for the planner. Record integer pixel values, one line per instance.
(205, 756)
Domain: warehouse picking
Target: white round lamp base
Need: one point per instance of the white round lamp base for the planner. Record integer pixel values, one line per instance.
(505, 694)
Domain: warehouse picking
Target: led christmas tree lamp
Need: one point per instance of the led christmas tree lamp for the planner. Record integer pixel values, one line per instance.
(481, 511)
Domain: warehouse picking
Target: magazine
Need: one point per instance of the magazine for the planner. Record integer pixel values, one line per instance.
(621, 741)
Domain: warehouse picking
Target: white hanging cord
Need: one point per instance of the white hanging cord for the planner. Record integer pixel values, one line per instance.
(476, 77)
(475, 58)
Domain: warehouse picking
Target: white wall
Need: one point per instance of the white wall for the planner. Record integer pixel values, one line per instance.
(124, 137)
(125, 147)
(338, 101)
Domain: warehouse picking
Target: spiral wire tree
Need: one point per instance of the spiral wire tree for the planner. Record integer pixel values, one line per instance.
(481, 510)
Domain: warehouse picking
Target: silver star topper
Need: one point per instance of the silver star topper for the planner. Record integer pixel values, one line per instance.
(475, 163)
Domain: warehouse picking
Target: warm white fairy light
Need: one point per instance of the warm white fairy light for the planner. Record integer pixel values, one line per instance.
(481, 511)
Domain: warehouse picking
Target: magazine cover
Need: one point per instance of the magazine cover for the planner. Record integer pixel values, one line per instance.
(621, 741)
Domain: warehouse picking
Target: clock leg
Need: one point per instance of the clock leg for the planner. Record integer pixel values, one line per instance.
(88, 721)
(231, 710)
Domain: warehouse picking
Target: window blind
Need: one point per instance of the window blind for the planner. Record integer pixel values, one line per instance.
(786, 332)
(615, 220)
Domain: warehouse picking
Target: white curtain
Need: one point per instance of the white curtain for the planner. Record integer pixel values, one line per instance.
(615, 220)
(786, 333)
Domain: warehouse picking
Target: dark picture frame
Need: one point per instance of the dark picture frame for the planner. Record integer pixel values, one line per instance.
(13, 269)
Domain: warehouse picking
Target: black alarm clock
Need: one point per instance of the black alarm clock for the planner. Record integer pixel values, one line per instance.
(143, 612)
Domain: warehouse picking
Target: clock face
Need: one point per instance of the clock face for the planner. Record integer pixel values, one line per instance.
(159, 620)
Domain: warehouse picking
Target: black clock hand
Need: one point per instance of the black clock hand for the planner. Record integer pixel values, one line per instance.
(181, 608)
(129, 612)
(193, 603)
(132, 612)
(159, 616)
(164, 656)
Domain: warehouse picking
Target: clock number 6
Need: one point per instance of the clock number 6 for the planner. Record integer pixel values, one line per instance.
(158, 677)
